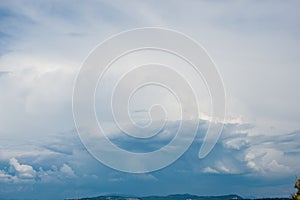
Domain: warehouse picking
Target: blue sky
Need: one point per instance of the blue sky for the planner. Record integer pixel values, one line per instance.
(255, 45)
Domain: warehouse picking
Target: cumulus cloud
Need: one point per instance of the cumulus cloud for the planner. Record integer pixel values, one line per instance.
(268, 161)
(22, 171)
(18, 173)
(263, 155)
(67, 170)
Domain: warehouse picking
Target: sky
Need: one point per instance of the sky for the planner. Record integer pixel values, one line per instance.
(255, 46)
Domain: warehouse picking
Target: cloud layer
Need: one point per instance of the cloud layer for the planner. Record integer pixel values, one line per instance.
(238, 158)
(255, 45)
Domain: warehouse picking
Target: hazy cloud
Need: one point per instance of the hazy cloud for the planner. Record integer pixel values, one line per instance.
(255, 45)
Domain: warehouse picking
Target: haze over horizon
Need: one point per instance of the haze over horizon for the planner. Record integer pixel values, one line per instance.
(255, 46)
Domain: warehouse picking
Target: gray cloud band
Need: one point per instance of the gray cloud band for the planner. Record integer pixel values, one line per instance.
(144, 47)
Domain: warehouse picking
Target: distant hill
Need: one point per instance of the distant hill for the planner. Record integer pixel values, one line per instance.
(175, 197)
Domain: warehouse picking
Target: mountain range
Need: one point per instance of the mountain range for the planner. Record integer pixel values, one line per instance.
(174, 197)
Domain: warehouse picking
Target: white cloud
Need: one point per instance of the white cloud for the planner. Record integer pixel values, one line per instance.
(224, 168)
(22, 171)
(210, 170)
(37, 90)
(235, 143)
(45, 58)
(263, 155)
(274, 166)
(67, 170)
(268, 161)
